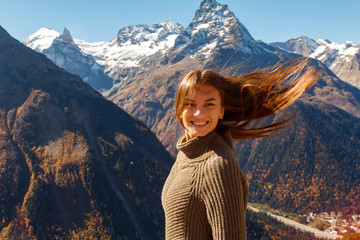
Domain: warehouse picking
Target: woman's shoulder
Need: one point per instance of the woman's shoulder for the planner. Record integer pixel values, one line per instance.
(222, 168)
(222, 157)
(221, 161)
(223, 148)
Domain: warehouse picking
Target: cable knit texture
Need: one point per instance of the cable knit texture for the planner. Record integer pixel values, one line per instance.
(205, 194)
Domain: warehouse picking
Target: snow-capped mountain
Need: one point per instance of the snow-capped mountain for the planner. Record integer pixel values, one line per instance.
(117, 61)
(342, 58)
(65, 53)
(132, 45)
(214, 26)
(141, 48)
(129, 54)
(41, 39)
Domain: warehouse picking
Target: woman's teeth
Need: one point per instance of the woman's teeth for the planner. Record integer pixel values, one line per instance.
(199, 123)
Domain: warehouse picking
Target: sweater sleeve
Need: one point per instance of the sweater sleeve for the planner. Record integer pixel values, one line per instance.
(224, 191)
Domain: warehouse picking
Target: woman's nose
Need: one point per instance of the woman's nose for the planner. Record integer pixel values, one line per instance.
(198, 112)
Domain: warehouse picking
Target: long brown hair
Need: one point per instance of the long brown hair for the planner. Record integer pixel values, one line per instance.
(253, 96)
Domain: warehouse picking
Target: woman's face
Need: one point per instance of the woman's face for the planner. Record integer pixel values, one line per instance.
(202, 111)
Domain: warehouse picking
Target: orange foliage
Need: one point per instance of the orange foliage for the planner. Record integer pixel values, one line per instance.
(61, 159)
(94, 229)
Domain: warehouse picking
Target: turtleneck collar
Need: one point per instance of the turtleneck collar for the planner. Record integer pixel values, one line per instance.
(197, 146)
(200, 148)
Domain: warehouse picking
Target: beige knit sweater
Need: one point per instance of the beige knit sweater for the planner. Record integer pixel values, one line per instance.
(205, 194)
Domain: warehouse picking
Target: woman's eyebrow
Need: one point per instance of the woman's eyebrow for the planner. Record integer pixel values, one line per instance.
(210, 99)
(192, 100)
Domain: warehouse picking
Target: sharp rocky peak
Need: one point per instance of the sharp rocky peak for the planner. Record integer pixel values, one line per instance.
(214, 24)
(171, 26)
(211, 11)
(66, 38)
(219, 19)
(209, 4)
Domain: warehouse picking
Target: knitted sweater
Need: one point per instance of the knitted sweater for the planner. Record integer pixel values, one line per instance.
(205, 194)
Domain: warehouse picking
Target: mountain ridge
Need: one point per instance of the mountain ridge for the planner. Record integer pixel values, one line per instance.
(342, 58)
(122, 65)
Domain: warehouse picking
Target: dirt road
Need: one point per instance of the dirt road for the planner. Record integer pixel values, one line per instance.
(317, 233)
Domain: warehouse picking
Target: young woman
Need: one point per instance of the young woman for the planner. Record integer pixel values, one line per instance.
(205, 195)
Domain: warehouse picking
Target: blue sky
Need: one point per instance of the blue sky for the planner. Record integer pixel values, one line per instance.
(266, 20)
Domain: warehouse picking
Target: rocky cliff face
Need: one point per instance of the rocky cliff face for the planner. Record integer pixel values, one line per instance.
(73, 164)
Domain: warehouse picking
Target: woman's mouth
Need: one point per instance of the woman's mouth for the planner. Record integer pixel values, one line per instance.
(199, 123)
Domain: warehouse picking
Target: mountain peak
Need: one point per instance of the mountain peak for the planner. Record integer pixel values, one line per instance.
(170, 26)
(66, 38)
(41, 39)
(214, 25)
(219, 19)
(209, 4)
(211, 10)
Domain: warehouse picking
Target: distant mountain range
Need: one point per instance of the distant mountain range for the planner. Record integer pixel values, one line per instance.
(109, 65)
(64, 52)
(314, 166)
(342, 58)
(134, 51)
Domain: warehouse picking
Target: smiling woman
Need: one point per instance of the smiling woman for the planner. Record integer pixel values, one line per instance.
(202, 111)
(205, 195)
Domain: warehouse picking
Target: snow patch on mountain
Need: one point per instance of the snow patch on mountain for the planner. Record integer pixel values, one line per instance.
(65, 53)
(95, 49)
(323, 50)
(132, 45)
(344, 51)
(41, 39)
(342, 58)
(214, 26)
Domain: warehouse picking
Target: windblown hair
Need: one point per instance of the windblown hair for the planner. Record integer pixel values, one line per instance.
(251, 97)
